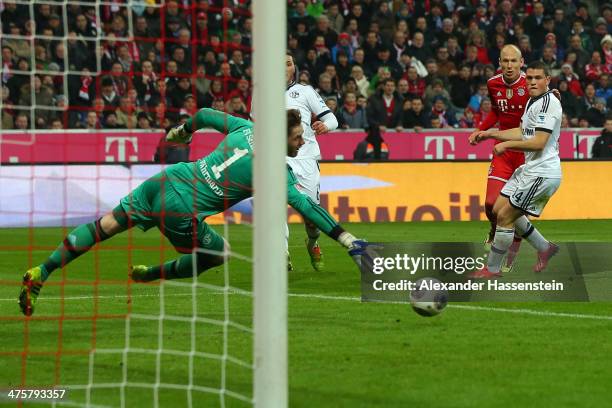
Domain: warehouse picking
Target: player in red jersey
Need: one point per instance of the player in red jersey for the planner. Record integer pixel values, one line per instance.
(509, 96)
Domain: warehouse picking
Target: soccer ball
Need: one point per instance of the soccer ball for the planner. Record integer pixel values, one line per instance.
(425, 301)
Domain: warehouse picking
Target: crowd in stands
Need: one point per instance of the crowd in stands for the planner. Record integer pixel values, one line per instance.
(398, 64)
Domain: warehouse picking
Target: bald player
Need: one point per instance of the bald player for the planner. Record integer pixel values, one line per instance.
(509, 96)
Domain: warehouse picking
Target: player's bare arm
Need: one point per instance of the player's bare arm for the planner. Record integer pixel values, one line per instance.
(534, 144)
(501, 135)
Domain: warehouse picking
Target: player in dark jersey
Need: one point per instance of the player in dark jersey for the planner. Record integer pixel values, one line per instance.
(178, 200)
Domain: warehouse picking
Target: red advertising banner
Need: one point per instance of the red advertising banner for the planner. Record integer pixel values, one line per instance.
(112, 146)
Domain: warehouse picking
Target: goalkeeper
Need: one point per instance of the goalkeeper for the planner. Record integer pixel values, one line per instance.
(178, 200)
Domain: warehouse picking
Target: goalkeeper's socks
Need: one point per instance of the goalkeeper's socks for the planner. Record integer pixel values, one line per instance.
(79, 240)
(313, 236)
(531, 234)
(179, 268)
(501, 242)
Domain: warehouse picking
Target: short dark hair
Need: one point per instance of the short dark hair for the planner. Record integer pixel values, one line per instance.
(294, 118)
(539, 65)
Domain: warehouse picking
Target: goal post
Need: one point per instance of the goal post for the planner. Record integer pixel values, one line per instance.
(270, 387)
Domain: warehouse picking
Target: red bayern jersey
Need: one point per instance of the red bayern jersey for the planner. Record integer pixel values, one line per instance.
(508, 100)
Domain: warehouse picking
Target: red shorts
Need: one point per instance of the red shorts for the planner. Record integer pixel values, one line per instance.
(504, 165)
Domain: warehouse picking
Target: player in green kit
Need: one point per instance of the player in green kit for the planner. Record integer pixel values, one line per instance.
(178, 200)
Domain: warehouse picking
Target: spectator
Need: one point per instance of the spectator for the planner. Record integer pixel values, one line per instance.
(304, 77)
(573, 81)
(323, 29)
(56, 124)
(403, 89)
(362, 82)
(435, 90)
(20, 47)
(384, 18)
(21, 121)
(524, 44)
(235, 106)
(336, 20)
(145, 82)
(422, 26)
(416, 85)
(399, 45)
(551, 41)
(448, 31)
(562, 27)
(467, 120)
(596, 114)
(385, 108)
(603, 89)
(588, 100)
(571, 105)
(602, 147)
(485, 108)
(108, 94)
(126, 114)
(599, 33)
(144, 122)
(343, 45)
(606, 47)
(353, 31)
(446, 68)
(92, 121)
(417, 48)
(455, 54)
(415, 118)
(477, 39)
(214, 93)
(595, 68)
(110, 121)
(550, 60)
(373, 147)
(7, 109)
(326, 88)
(534, 25)
(476, 99)
(39, 95)
(352, 115)
(370, 49)
(446, 116)
(585, 38)
(343, 67)
(582, 56)
(461, 90)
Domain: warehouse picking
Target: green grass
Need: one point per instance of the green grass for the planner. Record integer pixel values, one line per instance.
(343, 353)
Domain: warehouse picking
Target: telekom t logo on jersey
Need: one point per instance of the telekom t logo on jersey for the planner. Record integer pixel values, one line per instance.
(439, 143)
(122, 143)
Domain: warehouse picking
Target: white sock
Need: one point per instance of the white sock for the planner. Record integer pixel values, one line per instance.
(501, 242)
(287, 237)
(527, 231)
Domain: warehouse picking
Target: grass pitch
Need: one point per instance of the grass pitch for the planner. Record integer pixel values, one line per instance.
(343, 353)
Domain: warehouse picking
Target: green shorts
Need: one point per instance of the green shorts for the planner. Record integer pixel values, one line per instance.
(157, 203)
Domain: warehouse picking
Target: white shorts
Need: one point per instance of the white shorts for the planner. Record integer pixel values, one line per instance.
(529, 193)
(308, 176)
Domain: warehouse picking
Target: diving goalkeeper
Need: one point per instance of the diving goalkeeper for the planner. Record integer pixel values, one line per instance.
(178, 200)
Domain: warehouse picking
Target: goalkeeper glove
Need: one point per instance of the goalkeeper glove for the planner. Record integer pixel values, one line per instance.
(178, 134)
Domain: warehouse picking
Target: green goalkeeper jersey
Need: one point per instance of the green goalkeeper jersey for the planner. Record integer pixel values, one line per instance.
(225, 177)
